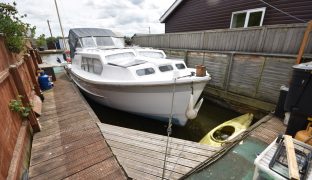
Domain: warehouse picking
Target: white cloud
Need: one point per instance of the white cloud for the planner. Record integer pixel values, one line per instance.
(125, 16)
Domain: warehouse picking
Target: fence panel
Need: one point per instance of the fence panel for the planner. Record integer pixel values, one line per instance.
(245, 73)
(217, 66)
(276, 72)
(10, 125)
(278, 39)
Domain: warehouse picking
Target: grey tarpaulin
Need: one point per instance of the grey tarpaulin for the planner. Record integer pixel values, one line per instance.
(75, 34)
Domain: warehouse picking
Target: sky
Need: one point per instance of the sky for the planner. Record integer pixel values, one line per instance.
(125, 16)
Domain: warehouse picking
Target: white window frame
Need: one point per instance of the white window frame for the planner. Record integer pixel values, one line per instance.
(248, 11)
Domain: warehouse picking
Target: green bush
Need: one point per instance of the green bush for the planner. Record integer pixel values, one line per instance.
(41, 41)
(13, 28)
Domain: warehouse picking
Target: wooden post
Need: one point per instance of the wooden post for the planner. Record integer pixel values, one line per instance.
(33, 73)
(228, 72)
(291, 158)
(26, 102)
(38, 57)
(304, 42)
(34, 59)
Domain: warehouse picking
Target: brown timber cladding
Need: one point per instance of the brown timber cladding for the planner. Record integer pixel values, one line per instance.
(196, 15)
(15, 137)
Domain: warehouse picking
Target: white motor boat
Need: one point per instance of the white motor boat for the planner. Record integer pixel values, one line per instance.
(137, 80)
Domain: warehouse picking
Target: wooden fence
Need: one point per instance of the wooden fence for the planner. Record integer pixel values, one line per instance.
(17, 77)
(252, 79)
(282, 39)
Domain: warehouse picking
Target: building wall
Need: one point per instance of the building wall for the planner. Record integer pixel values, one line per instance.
(196, 15)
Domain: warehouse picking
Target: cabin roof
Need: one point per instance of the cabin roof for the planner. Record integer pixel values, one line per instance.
(88, 32)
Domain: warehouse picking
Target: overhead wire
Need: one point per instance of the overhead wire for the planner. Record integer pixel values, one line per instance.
(283, 11)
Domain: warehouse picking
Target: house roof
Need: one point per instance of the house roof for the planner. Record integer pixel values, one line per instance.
(170, 10)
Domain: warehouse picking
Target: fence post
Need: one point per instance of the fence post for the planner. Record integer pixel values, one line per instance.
(25, 100)
(32, 73)
(228, 72)
(202, 40)
(260, 77)
(39, 57)
(34, 58)
(262, 39)
(304, 42)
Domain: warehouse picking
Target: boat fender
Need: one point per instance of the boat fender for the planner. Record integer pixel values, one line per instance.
(192, 109)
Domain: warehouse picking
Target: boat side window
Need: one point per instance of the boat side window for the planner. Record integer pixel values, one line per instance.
(84, 64)
(78, 45)
(180, 66)
(165, 68)
(98, 67)
(92, 65)
(146, 71)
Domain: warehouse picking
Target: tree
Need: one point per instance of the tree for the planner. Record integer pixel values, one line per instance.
(128, 40)
(41, 41)
(13, 28)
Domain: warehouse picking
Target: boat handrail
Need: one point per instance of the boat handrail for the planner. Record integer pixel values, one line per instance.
(130, 64)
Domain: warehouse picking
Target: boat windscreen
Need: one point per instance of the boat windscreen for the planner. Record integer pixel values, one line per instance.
(102, 42)
(88, 42)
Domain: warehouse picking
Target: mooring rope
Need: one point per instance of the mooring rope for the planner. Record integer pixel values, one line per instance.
(169, 129)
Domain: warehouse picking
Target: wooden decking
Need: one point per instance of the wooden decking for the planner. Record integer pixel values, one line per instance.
(70, 144)
(142, 154)
(269, 129)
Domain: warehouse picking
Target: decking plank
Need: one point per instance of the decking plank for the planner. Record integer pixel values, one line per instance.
(157, 137)
(70, 144)
(142, 154)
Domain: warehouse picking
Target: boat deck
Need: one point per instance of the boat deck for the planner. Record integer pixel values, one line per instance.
(70, 144)
(142, 154)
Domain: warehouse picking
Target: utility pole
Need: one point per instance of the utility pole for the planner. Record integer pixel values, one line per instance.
(58, 15)
(51, 33)
(49, 27)
(149, 29)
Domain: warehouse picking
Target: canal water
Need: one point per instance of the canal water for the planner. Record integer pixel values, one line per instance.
(210, 116)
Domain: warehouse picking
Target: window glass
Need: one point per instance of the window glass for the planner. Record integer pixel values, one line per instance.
(180, 66)
(146, 71)
(84, 64)
(119, 42)
(238, 20)
(78, 45)
(88, 42)
(97, 65)
(165, 68)
(254, 19)
(90, 65)
(104, 41)
(247, 18)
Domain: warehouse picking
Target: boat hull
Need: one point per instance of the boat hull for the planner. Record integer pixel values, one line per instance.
(238, 124)
(152, 101)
